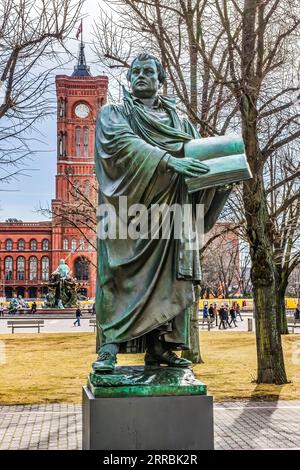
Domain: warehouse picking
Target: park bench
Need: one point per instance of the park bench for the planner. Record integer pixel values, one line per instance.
(293, 326)
(205, 323)
(13, 324)
(93, 323)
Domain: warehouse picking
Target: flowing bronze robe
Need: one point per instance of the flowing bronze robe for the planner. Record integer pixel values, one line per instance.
(145, 284)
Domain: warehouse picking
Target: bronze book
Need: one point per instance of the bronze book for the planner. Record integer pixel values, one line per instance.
(223, 170)
(224, 155)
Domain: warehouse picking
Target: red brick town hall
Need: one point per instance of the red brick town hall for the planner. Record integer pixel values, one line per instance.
(31, 251)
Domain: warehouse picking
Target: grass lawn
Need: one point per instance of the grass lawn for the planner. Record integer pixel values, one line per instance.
(45, 368)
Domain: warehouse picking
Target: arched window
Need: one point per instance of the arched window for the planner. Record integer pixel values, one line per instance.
(33, 268)
(81, 244)
(21, 268)
(60, 144)
(21, 245)
(86, 188)
(45, 268)
(86, 142)
(78, 141)
(65, 136)
(74, 245)
(66, 244)
(32, 292)
(8, 292)
(21, 292)
(8, 267)
(82, 269)
(33, 245)
(45, 245)
(8, 245)
(61, 108)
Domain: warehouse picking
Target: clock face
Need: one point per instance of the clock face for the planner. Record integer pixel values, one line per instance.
(82, 111)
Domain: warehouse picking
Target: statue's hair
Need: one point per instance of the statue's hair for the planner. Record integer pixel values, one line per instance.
(145, 56)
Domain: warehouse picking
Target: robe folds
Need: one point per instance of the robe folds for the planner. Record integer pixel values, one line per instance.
(147, 283)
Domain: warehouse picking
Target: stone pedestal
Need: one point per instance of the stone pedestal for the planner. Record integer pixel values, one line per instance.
(151, 415)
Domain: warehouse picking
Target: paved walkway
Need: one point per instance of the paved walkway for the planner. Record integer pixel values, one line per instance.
(238, 426)
(66, 325)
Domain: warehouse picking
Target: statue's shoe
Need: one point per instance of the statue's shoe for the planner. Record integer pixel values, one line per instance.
(168, 358)
(105, 362)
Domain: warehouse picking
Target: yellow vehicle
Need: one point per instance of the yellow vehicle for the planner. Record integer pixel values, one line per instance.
(290, 302)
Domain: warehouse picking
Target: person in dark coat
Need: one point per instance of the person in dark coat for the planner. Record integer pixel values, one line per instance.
(232, 316)
(33, 307)
(78, 315)
(222, 316)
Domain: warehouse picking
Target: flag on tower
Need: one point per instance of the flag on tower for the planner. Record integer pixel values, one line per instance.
(79, 31)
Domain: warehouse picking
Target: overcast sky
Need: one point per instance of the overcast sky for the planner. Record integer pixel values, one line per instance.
(29, 192)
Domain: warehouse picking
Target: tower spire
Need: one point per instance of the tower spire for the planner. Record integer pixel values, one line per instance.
(81, 69)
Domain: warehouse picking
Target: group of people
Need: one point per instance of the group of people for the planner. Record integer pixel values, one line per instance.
(227, 314)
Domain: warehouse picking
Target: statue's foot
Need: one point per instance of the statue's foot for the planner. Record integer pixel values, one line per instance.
(105, 362)
(168, 358)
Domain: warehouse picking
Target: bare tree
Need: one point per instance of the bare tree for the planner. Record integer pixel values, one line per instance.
(32, 37)
(284, 207)
(220, 261)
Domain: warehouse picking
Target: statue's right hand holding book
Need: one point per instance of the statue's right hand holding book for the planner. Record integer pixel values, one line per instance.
(189, 167)
(226, 160)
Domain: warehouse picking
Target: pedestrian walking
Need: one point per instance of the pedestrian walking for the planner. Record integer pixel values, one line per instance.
(215, 310)
(238, 311)
(226, 308)
(205, 312)
(33, 307)
(78, 315)
(222, 316)
(232, 316)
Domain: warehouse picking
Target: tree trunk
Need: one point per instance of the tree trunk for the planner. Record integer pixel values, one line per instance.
(280, 302)
(281, 312)
(194, 354)
(270, 361)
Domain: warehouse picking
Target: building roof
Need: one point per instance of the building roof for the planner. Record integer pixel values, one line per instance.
(81, 69)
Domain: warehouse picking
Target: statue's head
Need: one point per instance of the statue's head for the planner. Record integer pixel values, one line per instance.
(146, 75)
(62, 261)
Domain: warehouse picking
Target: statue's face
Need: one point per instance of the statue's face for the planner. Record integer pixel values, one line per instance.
(144, 78)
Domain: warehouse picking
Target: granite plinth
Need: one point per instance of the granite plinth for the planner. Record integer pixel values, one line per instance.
(147, 423)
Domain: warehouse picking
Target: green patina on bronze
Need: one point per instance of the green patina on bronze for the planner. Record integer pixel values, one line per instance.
(145, 154)
(148, 381)
(146, 283)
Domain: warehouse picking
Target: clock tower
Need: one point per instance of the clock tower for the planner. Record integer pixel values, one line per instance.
(79, 99)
